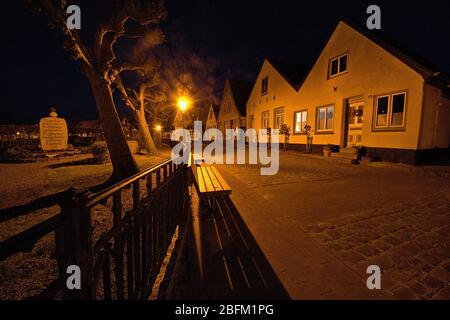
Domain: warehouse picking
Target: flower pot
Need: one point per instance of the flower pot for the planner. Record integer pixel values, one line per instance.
(326, 152)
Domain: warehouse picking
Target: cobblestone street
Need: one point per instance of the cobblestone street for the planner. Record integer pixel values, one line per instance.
(409, 241)
(322, 223)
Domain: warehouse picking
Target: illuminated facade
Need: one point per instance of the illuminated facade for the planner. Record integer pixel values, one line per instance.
(360, 92)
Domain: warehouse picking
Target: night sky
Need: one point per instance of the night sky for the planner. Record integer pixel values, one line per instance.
(37, 74)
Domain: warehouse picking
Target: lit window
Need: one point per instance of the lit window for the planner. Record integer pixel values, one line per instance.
(390, 111)
(325, 117)
(252, 121)
(338, 65)
(265, 119)
(264, 86)
(300, 118)
(279, 118)
(398, 110)
(382, 111)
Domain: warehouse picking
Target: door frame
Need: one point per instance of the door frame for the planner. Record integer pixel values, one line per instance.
(347, 102)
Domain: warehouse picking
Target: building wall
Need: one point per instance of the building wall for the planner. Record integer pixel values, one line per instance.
(280, 95)
(435, 119)
(228, 111)
(371, 71)
(211, 121)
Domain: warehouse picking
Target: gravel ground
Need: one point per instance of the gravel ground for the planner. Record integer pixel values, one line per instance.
(25, 274)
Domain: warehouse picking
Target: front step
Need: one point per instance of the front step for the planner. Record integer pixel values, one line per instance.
(348, 150)
(346, 154)
(340, 155)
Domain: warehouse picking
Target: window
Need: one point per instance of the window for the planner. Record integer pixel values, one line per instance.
(300, 118)
(264, 86)
(355, 115)
(325, 117)
(338, 65)
(279, 118)
(265, 120)
(382, 111)
(398, 110)
(390, 111)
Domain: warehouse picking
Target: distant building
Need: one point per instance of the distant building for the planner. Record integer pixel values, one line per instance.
(197, 112)
(360, 92)
(13, 132)
(211, 121)
(213, 113)
(232, 110)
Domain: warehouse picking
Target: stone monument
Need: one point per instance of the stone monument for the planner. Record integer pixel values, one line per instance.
(53, 132)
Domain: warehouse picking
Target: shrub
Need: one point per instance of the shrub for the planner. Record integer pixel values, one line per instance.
(100, 152)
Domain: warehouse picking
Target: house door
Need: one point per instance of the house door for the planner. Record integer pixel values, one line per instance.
(354, 123)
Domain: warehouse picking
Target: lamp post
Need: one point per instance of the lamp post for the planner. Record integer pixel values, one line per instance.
(183, 105)
(158, 129)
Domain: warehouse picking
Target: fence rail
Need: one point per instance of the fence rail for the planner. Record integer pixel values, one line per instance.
(124, 260)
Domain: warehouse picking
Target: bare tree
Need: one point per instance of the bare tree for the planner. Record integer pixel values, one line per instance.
(99, 64)
(143, 93)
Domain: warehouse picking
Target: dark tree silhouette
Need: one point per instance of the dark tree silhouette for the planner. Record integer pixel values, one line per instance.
(99, 64)
(143, 92)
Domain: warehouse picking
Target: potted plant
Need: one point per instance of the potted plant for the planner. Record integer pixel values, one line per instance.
(327, 150)
(307, 128)
(286, 131)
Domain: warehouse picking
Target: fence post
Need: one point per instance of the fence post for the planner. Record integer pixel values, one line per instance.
(77, 250)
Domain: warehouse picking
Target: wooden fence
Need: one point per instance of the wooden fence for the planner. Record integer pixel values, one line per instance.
(124, 260)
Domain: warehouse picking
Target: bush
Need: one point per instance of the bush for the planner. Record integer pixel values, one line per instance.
(100, 152)
(16, 152)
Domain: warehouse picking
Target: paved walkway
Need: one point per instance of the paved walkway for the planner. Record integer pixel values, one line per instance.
(321, 223)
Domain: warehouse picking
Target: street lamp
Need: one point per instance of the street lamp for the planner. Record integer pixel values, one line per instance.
(182, 103)
(158, 129)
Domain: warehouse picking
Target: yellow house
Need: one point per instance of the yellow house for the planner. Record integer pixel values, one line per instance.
(232, 109)
(211, 120)
(274, 94)
(360, 92)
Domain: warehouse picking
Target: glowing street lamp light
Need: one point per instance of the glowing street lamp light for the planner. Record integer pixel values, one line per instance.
(182, 103)
(158, 127)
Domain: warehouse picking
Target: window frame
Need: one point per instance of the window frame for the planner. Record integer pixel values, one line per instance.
(275, 117)
(266, 92)
(392, 110)
(262, 119)
(389, 126)
(339, 72)
(325, 131)
(376, 111)
(302, 130)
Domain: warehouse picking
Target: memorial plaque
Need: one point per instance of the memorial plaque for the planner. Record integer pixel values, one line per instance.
(53, 133)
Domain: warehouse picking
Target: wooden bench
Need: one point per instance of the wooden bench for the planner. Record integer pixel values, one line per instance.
(208, 181)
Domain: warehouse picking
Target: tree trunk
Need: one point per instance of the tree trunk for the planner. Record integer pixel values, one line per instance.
(143, 127)
(122, 160)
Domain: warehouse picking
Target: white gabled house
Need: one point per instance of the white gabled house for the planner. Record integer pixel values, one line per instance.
(361, 92)
(274, 94)
(232, 109)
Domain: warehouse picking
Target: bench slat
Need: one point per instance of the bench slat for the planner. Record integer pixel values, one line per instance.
(208, 183)
(215, 182)
(200, 180)
(221, 180)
